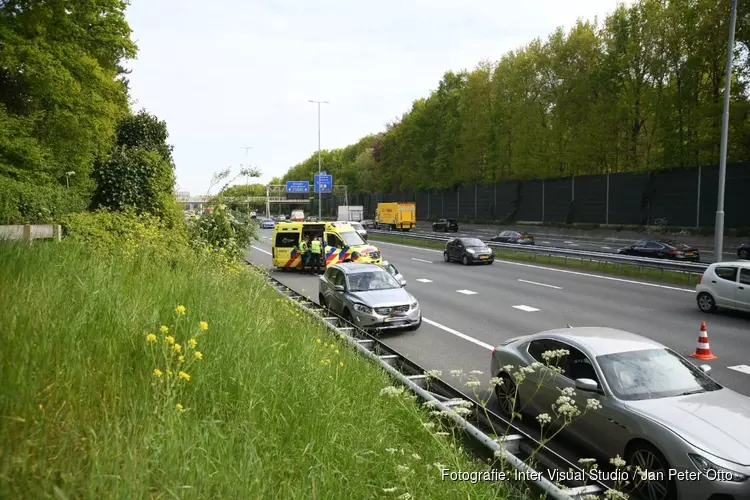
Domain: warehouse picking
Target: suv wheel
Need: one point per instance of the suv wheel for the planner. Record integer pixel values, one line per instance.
(445, 257)
(465, 260)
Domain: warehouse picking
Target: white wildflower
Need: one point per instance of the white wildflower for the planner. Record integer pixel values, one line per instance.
(391, 450)
(544, 418)
(476, 372)
(527, 369)
(508, 368)
(473, 384)
(405, 496)
(403, 469)
(389, 490)
(519, 377)
(568, 391)
(428, 425)
(415, 456)
(593, 404)
(536, 364)
(456, 373)
(433, 373)
(462, 411)
(586, 461)
(439, 466)
(614, 494)
(429, 404)
(391, 391)
(442, 434)
(495, 381)
(617, 461)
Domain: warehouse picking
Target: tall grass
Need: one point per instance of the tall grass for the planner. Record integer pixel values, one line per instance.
(274, 409)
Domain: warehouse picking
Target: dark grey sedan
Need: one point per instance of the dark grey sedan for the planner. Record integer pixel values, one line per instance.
(369, 297)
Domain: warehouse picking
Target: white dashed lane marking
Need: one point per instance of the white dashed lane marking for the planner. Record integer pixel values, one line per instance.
(423, 280)
(540, 284)
(741, 368)
(422, 260)
(467, 292)
(526, 308)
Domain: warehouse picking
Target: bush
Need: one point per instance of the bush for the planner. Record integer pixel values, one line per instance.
(25, 203)
(127, 233)
(222, 231)
(134, 177)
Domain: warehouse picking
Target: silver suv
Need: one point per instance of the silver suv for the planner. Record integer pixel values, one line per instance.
(369, 297)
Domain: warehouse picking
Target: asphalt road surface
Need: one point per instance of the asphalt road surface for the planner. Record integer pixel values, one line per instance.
(467, 310)
(591, 243)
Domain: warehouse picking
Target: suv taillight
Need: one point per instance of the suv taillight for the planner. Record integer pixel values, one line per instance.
(700, 278)
(675, 252)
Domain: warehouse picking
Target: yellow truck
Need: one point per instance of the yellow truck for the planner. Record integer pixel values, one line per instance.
(396, 216)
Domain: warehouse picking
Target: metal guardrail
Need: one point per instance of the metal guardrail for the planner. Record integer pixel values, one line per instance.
(582, 255)
(441, 396)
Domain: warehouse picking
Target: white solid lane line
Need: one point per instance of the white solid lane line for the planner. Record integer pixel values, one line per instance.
(422, 260)
(741, 368)
(565, 271)
(261, 250)
(467, 292)
(458, 334)
(540, 284)
(423, 280)
(526, 308)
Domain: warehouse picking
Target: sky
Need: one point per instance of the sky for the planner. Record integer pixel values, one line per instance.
(230, 74)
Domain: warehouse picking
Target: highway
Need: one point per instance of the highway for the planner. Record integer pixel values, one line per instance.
(467, 310)
(591, 243)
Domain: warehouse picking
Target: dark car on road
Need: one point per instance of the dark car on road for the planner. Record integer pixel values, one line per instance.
(445, 225)
(743, 251)
(514, 237)
(658, 249)
(468, 251)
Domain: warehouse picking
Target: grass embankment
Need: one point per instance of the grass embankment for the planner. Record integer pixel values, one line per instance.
(274, 409)
(624, 270)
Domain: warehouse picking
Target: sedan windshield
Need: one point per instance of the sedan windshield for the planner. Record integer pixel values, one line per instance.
(653, 374)
(351, 238)
(372, 280)
(473, 242)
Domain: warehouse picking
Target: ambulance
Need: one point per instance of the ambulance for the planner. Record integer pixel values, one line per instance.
(342, 243)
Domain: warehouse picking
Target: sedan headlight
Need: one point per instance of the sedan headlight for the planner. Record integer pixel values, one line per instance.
(713, 472)
(414, 305)
(470, 250)
(362, 308)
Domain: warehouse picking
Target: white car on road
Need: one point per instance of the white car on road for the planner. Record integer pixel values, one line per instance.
(724, 285)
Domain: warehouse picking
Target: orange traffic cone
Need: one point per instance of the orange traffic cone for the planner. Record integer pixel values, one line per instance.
(703, 350)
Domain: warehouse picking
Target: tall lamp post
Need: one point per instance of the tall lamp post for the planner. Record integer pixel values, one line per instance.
(247, 179)
(719, 229)
(320, 193)
(67, 178)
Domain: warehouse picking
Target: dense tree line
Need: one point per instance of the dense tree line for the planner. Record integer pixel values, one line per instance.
(643, 90)
(64, 108)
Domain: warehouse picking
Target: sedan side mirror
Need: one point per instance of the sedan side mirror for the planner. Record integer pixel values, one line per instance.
(586, 385)
(338, 288)
(705, 369)
(401, 280)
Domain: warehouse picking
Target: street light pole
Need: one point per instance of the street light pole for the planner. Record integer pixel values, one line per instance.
(719, 229)
(247, 179)
(320, 192)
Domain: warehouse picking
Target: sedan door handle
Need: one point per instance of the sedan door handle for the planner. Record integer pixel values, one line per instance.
(713, 281)
(741, 287)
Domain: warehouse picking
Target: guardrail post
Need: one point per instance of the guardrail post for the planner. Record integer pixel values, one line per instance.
(57, 232)
(26, 232)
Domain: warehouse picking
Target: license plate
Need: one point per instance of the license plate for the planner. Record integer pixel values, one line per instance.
(484, 257)
(394, 320)
(689, 254)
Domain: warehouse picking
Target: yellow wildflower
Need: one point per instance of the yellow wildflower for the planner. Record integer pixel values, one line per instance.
(150, 338)
(163, 328)
(181, 359)
(180, 310)
(198, 355)
(157, 372)
(336, 351)
(203, 325)
(185, 376)
(177, 348)
(341, 363)
(179, 407)
(317, 340)
(192, 343)
(169, 339)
